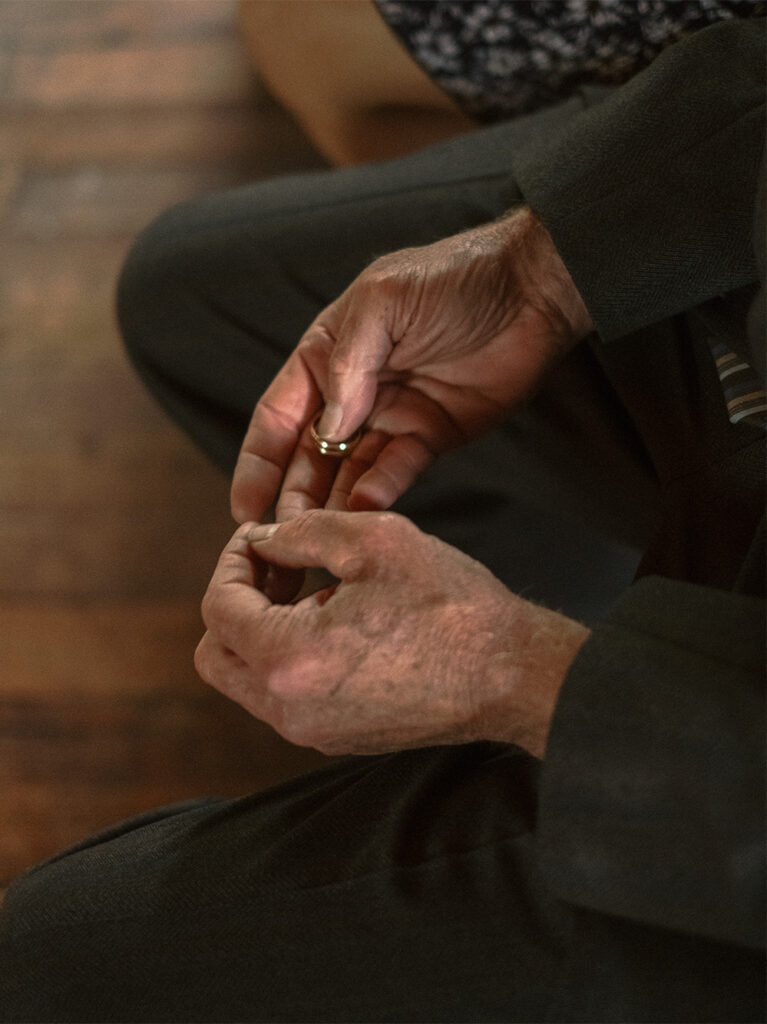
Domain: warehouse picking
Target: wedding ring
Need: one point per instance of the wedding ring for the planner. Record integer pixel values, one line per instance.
(338, 449)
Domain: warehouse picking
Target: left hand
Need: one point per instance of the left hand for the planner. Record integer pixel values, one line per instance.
(428, 347)
(417, 644)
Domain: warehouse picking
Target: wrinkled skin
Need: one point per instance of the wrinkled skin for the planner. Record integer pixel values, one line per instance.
(427, 348)
(417, 644)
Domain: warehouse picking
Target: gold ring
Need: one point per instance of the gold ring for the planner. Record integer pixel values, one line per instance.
(338, 449)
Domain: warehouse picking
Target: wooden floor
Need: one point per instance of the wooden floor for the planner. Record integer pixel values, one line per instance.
(110, 521)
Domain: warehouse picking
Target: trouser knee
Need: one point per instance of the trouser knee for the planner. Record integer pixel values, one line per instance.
(150, 288)
(209, 310)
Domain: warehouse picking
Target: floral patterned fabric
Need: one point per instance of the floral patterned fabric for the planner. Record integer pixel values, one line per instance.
(501, 58)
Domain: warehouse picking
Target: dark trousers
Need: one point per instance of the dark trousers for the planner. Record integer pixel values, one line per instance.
(397, 888)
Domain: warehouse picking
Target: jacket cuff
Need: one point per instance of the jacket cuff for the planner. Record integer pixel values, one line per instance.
(652, 796)
(619, 187)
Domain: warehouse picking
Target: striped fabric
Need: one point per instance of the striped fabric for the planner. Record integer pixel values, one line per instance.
(743, 391)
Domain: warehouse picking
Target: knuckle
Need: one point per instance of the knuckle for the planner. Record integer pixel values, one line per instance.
(202, 659)
(307, 519)
(316, 349)
(211, 605)
(391, 526)
(305, 523)
(298, 733)
(305, 730)
(386, 277)
(395, 540)
(392, 266)
(292, 720)
(382, 277)
(207, 608)
(351, 358)
(385, 522)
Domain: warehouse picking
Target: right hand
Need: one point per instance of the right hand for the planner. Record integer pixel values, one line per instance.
(415, 644)
(427, 348)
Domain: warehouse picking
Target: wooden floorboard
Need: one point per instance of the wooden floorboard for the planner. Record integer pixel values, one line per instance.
(80, 764)
(110, 520)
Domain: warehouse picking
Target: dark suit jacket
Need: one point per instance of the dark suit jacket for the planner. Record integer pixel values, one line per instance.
(652, 802)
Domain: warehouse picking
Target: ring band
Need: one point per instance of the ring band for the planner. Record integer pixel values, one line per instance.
(338, 449)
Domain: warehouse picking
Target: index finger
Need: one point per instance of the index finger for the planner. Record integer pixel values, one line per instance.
(232, 604)
(278, 420)
(348, 546)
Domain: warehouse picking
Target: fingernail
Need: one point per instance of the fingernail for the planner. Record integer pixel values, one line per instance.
(240, 514)
(331, 420)
(261, 533)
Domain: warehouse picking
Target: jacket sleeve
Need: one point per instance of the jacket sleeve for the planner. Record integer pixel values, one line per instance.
(652, 792)
(649, 194)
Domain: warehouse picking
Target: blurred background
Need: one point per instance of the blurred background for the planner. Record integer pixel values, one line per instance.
(110, 521)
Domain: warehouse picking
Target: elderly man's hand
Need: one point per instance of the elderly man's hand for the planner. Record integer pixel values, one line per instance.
(427, 348)
(416, 644)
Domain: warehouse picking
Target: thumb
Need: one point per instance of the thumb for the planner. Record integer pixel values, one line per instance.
(361, 351)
